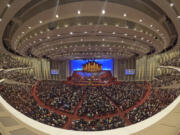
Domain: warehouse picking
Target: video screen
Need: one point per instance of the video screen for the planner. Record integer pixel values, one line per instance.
(130, 71)
(54, 71)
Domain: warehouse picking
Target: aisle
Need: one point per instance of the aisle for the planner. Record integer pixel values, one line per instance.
(142, 101)
(75, 116)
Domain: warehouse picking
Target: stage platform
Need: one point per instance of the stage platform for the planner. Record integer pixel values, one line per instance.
(100, 78)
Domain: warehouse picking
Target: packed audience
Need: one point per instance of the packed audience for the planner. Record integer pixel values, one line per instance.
(96, 103)
(100, 105)
(125, 95)
(166, 80)
(173, 62)
(18, 76)
(20, 97)
(157, 100)
(60, 96)
(7, 61)
(98, 124)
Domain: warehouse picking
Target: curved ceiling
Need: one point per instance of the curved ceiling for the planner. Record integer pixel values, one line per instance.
(57, 29)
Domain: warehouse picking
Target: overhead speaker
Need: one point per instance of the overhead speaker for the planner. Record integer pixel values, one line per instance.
(52, 25)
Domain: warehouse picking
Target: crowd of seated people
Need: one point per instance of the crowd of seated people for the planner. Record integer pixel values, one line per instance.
(18, 76)
(157, 100)
(96, 103)
(166, 80)
(7, 61)
(20, 97)
(173, 62)
(98, 124)
(125, 95)
(60, 96)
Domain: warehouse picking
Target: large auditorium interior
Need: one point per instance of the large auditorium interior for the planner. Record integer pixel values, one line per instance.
(89, 67)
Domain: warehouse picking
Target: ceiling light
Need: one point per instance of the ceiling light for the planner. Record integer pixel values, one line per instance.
(124, 14)
(171, 4)
(117, 25)
(135, 36)
(151, 25)
(48, 37)
(142, 38)
(57, 16)
(100, 32)
(125, 34)
(103, 12)
(85, 32)
(40, 21)
(23, 32)
(58, 35)
(0, 19)
(71, 33)
(114, 33)
(8, 5)
(79, 12)
(66, 25)
(178, 16)
(103, 39)
(90, 23)
(140, 20)
(29, 27)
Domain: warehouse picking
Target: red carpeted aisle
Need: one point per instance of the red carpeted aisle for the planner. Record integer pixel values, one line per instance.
(75, 116)
(142, 101)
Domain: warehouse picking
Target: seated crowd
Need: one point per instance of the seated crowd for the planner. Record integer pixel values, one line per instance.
(173, 62)
(92, 108)
(98, 124)
(18, 76)
(60, 96)
(20, 97)
(126, 94)
(96, 103)
(157, 100)
(7, 61)
(166, 80)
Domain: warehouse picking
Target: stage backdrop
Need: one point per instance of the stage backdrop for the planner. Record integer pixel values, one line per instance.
(77, 65)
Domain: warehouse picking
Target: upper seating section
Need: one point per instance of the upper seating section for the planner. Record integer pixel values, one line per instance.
(18, 76)
(173, 62)
(7, 61)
